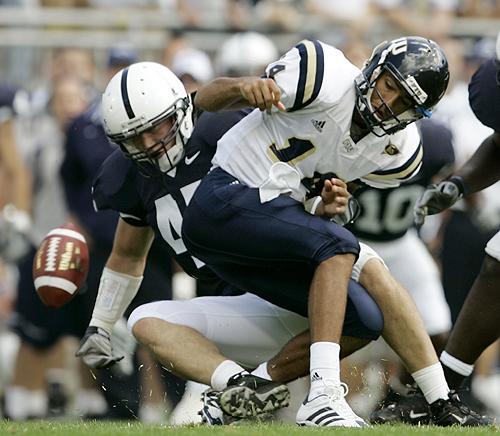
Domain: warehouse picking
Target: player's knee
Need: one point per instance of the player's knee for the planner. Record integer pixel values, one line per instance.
(371, 319)
(142, 328)
(339, 262)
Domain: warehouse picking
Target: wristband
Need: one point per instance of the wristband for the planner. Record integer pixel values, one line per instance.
(459, 182)
(312, 204)
(116, 292)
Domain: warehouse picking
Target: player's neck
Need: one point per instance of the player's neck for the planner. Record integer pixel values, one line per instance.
(359, 129)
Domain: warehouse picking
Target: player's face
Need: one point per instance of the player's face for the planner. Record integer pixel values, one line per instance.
(160, 134)
(389, 98)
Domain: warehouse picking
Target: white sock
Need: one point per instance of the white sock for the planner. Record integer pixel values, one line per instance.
(456, 365)
(38, 403)
(324, 366)
(17, 404)
(90, 402)
(432, 382)
(261, 371)
(223, 373)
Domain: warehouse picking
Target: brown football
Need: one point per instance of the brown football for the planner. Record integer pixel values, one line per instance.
(60, 265)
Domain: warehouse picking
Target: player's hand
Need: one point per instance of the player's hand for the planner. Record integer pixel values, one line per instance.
(335, 197)
(337, 204)
(95, 349)
(261, 93)
(435, 199)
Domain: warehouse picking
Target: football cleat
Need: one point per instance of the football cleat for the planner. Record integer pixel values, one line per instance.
(453, 411)
(410, 409)
(212, 414)
(247, 395)
(329, 409)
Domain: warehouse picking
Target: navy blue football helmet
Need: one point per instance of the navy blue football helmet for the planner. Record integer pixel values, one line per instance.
(418, 65)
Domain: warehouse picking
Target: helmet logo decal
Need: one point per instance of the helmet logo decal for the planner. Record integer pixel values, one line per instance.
(397, 46)
(391, 149)
(125, 98)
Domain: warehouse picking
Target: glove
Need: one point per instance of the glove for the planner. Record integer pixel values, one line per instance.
(15, 226)
(437, 198)
(96, 350)
(352, 211)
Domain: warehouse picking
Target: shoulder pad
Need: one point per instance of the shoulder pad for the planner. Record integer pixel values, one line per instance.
(115, 186)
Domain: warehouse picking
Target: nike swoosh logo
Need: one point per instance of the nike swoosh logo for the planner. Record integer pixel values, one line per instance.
(460, 420)
(414, 415)
(189, 160)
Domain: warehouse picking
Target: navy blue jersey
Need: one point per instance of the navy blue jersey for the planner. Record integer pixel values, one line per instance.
(161, 203)
(387, 214)
(484, 94)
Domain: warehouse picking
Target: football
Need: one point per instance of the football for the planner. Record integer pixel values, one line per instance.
(60, 265)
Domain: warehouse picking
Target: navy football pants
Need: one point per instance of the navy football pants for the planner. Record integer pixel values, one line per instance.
(271, 249)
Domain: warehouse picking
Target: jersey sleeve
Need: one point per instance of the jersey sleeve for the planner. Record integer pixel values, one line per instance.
(115, 188)
(484, 94)
(299, 74)
(406, 163)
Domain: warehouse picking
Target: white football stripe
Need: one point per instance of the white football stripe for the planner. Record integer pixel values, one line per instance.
(66, 232)
(55, 282)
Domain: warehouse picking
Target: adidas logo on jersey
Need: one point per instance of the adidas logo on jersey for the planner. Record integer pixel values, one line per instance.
(318, 125)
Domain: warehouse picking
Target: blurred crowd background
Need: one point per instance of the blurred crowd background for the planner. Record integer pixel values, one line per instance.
(56, 56)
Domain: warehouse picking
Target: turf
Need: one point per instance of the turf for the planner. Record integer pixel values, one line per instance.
(55, 428)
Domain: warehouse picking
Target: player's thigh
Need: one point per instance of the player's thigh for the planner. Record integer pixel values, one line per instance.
(227, 222)
(245, 328)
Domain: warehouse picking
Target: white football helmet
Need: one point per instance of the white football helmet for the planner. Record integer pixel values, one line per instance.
(245, 54)
(140, 97)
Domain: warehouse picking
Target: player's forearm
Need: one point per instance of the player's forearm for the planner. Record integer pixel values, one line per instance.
(483, 168)
(222, 93)
(122, 277)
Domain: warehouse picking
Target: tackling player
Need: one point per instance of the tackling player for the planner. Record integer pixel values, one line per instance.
(477, 325)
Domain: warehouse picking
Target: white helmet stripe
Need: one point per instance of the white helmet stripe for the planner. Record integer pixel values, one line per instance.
(125, 98)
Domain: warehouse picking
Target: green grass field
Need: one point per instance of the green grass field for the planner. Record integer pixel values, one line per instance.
(42, 428)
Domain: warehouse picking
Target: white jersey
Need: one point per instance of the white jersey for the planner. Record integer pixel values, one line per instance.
(313, 136)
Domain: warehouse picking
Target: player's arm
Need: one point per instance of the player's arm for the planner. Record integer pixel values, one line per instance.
(120, 281)
(483, 168)
(226, 93)
(15, 168)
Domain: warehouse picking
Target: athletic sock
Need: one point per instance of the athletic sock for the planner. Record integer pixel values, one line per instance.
(324, 366)
(223, 373)
(432, 382)
(455, 370)
(261, 371)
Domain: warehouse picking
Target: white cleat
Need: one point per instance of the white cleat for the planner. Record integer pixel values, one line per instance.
(329, 409)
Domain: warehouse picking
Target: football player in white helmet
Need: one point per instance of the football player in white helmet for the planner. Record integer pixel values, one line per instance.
(245, 54)
(146, 98)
